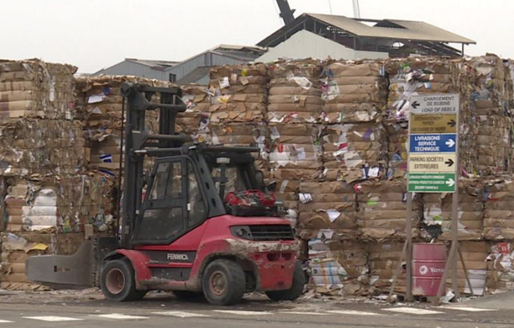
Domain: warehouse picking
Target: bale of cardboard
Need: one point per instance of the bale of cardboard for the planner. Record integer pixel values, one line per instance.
(294, 91)
(353, 91)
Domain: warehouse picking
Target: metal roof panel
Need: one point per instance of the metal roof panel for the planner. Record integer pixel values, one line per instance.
(410, 30)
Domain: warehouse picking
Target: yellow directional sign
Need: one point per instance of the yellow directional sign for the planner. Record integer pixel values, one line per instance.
(432, 163)
(433, 123)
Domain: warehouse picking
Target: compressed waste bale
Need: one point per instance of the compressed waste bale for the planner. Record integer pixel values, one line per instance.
(383, 210)
(37, 108)
(437, 212)
(239, 93)
(494, 122)
(41, 146)
(500, 267)
(294, 92)
(194, 121)
(353, 152)
(295, 151)
(238, 97)
(384, 258)
(416, 76)
(499, 209)
(287, 192)
(36, 89)
(398, 137)
(328, 205)
(43, 204)
(338, 267)
(103, 111)
(475, 255)
(353, 92)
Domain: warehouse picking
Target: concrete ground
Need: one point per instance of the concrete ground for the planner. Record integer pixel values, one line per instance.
(89, 309)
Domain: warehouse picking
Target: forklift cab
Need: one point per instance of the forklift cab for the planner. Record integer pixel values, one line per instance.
(183, 191)
(172, 204)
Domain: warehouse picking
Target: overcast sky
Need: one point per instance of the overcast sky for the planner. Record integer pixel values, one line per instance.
(93, 34)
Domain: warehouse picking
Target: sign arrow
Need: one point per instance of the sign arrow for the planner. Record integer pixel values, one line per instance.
(450, 143)
(449, 162)
(452, 123)
(415, 105)
(450, 182)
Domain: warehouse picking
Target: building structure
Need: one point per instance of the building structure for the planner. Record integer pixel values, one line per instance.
(354, 38)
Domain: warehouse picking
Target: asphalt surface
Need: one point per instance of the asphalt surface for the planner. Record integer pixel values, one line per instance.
(162, 310)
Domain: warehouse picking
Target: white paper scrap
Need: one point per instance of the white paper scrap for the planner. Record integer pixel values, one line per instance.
(305, 198)
(274, 133)
(333, 215)
(303, 82)
(326, 233)
(224, 83)
(373, 172)
(96, 98)
(301, 154)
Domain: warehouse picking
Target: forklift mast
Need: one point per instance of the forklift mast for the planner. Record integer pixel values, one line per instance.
(139, 143)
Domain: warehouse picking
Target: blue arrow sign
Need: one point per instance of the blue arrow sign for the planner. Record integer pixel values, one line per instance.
(433, 143)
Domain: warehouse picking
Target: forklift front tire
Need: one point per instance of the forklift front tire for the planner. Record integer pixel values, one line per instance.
(296, 289)
(224, 282)
(118, 282)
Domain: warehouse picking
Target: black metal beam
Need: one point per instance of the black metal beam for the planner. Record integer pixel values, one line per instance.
(286, 12)
(232, 149)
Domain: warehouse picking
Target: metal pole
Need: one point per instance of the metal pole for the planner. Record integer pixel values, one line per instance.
(442, 285)
(455, 227)
(120, 173)
(465, 270)
(408, 235)
(408, 231)
(398, 269)
(356, 9)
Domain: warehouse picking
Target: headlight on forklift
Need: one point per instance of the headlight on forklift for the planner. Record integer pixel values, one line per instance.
(241, 232)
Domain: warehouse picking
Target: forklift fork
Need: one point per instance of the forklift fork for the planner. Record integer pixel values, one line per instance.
(76, 271)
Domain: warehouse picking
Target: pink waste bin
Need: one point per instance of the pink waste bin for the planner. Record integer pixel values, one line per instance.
(428, 261)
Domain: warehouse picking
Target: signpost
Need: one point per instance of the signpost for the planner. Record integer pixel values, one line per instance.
(433, 165)
(433, 143)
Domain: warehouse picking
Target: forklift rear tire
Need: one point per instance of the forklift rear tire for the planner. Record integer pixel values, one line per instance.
(296, 289)
(224, 282)
(118, 282)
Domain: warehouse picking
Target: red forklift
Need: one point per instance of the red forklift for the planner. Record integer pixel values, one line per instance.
(203, 222)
